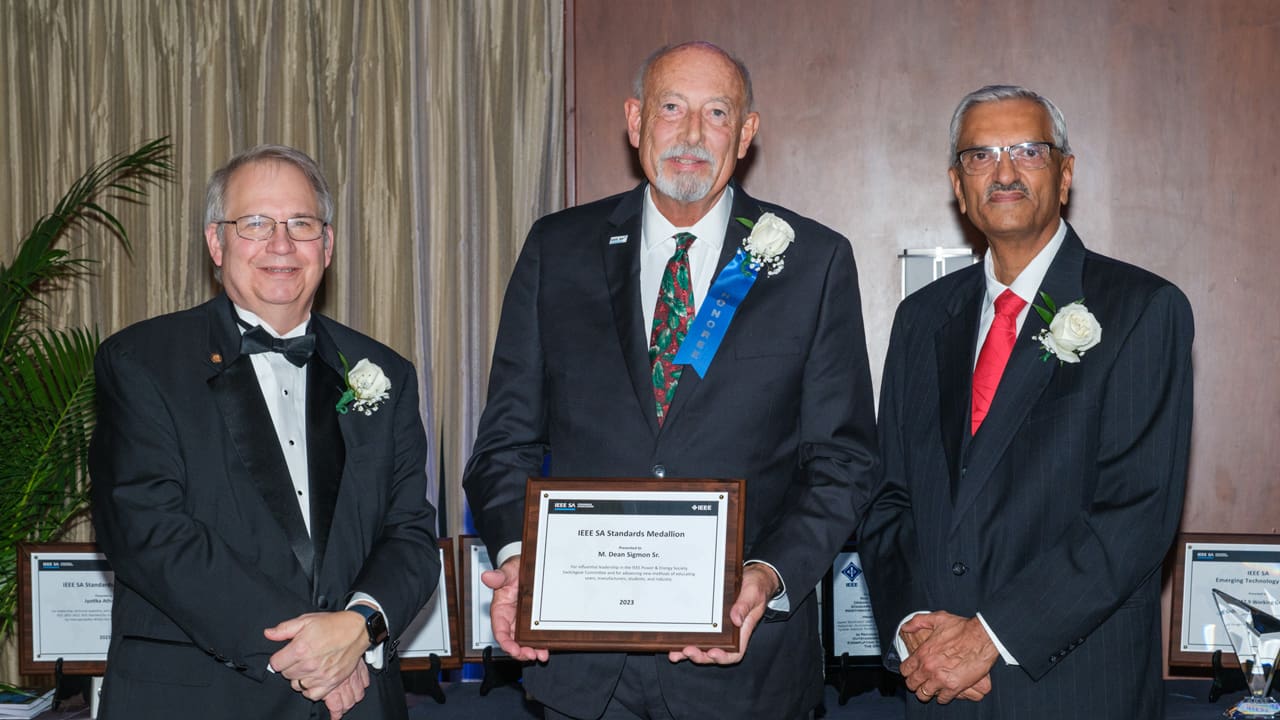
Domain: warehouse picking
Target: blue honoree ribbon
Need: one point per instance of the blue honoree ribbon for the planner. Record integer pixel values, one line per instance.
(708, 327)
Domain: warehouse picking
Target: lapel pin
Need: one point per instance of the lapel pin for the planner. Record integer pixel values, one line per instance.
(215, 358)
(618, 239)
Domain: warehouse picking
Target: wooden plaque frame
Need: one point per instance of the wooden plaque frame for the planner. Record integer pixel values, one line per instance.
(628, 640)
(1178, 657)
(27, 664)
(449, 587)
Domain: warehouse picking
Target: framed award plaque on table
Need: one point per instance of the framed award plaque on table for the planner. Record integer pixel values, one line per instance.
(1245, 565)
(433, 632)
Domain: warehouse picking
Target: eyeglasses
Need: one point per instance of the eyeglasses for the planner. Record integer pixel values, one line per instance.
(260, 227)
(1026, 156)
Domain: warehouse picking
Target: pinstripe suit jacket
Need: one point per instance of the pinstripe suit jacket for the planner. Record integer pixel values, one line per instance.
(1053, 519)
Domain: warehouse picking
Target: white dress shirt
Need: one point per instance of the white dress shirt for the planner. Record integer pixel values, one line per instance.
(658, 244)
(284, 387)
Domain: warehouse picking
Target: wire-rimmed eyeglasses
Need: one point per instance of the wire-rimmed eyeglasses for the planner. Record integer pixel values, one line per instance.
(260, 227)
(1026, 156)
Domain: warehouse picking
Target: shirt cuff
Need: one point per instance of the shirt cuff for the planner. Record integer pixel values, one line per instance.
(375, 656)
(507, 552)
(898, 643)
(779, 602)
(1004, 652)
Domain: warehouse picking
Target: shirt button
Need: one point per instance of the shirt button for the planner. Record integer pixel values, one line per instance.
(959, 568)
(291, 443)
(659, 471)
(286, 392)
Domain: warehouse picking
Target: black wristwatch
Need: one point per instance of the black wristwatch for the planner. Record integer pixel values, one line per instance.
(374, 623)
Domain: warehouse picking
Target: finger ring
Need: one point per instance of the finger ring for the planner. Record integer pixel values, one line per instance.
(301, 686)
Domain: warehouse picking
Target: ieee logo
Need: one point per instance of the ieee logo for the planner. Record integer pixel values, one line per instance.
(851, 571)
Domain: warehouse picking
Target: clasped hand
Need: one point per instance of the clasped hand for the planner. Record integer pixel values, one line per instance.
(950, 657)
(324, 658)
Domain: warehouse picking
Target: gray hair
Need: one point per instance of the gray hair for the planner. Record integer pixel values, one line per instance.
(215, 198)
(637, 85)
(995, 93)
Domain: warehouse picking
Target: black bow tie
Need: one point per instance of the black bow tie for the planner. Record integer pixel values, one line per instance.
(297, 350)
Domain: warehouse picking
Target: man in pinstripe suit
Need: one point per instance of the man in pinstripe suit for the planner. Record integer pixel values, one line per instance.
(1034, 471)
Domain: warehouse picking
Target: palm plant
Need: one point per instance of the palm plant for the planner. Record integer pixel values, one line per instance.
(46, 374)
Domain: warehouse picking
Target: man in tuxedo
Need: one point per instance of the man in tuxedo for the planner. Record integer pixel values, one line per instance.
(264, 511)
(585, 374)
(1033, 470)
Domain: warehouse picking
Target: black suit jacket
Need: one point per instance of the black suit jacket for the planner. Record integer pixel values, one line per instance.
(193, 506)
(786, 404)
(1053, 519)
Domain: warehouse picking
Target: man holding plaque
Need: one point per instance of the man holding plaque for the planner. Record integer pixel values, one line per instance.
(605, 363)
(1035, 421)
(264, 508)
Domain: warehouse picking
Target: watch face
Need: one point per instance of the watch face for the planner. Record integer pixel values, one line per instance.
(376, 624)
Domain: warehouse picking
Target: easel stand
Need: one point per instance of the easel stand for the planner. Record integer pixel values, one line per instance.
(68, 686)
(497, 672)
(426, 682)
(1225, 680)
(855, 675)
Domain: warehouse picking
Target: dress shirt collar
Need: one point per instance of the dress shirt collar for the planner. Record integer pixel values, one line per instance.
(252, 319)
(658, 229)
(1029, 280)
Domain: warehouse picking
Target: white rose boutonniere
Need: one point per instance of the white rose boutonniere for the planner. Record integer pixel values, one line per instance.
(1072, 330)
(367, 387)
(770, 236)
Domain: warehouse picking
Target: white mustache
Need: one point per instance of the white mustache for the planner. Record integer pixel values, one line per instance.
(697, 152)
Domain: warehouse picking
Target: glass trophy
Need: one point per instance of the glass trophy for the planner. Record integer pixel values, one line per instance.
(1255, 637)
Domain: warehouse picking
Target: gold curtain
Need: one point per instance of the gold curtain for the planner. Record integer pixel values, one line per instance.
(438, 124)
(499, 86)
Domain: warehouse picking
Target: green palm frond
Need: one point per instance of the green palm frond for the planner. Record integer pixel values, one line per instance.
(40, 260)
(46, 408)
(46, 375)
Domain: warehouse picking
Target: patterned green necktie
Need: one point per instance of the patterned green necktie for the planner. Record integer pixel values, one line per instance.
(671, 318)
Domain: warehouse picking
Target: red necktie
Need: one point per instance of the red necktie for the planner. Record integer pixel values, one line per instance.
(671, 318)
(995, 354)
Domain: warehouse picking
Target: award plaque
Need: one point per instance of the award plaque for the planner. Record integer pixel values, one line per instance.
(65, 594)
(1247, 566)
(1255, 638)
(630, 564)
(432, 635)
(476, 599)
(848, 627)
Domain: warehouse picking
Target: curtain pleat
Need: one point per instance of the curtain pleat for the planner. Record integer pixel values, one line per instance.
(438, 124)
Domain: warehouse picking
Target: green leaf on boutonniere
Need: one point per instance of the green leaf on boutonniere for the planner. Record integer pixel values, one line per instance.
(1046, 313)
(750, 224)
(348, 395)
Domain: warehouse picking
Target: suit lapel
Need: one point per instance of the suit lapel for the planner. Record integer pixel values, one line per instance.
(734, 234)
(239, 399)
(954, 348)
(622, 271)
(326, 449)
(1025, 377)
